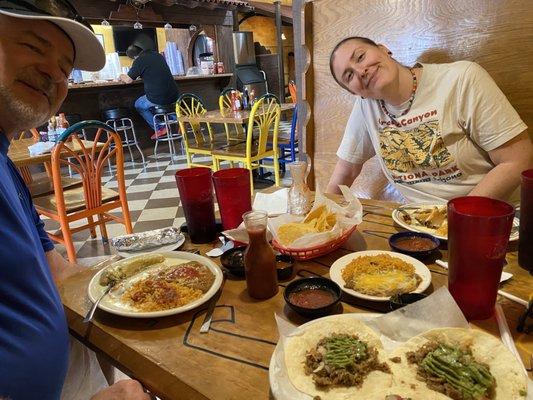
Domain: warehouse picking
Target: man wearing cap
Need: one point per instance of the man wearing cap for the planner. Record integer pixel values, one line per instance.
(39, 45)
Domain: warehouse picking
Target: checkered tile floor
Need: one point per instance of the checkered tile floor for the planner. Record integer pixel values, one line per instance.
(153, 201)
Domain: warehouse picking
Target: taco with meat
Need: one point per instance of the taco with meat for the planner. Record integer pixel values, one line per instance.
(337, 357)
(460, 364)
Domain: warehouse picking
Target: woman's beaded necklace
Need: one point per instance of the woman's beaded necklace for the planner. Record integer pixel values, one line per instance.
(410, 101)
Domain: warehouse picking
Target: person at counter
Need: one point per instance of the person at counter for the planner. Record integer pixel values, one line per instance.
(39, 46)
(439, 130)
(159, 85)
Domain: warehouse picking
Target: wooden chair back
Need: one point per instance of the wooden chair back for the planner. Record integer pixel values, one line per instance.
(89, 164)
(495, 34)
(190, 105)
(224, 105)
(263, 125)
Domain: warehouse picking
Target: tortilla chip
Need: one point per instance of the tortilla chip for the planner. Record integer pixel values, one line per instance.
(288, 233)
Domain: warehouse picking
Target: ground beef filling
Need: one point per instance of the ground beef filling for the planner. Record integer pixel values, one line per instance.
(465, 389)
(342, 360)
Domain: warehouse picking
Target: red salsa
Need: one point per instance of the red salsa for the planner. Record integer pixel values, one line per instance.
(414, 243)
(311, 298)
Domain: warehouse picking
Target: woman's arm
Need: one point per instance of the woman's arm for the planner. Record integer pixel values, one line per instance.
(344, 174)
(511, 159)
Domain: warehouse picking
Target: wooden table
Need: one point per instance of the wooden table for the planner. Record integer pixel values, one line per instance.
(172, 359)
(228, 117)
(18, 151)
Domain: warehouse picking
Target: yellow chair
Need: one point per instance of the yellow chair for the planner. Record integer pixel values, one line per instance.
(91, 200)
(233, 131)
(261, 142)
(198, 143)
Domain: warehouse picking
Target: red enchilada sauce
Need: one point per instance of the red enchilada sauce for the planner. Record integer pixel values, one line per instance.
(259, 258)
(414, 243)
(311, 298)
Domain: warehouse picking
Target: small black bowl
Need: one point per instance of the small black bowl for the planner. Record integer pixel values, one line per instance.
(313, 284)
(400, 300)
(421, 254)
(284, 266)
(233, 261)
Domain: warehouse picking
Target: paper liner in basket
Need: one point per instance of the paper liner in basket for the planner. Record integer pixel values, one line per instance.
(348, 215)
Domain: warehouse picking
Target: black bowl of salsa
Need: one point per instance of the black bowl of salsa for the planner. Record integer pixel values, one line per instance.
(414, 244)
(312, 297)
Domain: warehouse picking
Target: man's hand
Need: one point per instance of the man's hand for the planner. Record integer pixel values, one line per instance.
(127, 389)
(125, 78)
(61, 269)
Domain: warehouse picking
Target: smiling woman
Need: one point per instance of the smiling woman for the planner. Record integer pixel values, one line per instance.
(440, 130)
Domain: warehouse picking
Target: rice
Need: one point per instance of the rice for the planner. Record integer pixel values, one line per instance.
(156, 295)
(380, 275)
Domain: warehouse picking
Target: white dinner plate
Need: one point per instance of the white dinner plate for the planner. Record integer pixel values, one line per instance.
(397, 216)
(335, 272)
(158, 249)
(95, 290)
(280, 384)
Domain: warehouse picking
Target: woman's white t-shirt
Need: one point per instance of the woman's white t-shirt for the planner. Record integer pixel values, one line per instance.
(438, 150)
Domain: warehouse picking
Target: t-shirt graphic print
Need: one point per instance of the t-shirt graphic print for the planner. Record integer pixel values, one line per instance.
(417, 155)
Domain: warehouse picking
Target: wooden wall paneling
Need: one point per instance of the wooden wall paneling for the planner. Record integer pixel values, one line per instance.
(497, 34)
(303, 49)
(224, 39)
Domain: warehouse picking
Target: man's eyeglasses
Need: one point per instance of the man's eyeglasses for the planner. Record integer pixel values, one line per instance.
(55, 8)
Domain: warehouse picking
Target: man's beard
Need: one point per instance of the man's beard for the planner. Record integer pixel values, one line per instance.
(22, 115)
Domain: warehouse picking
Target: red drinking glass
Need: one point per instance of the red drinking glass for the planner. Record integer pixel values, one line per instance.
(196, 195)
(478, 233)
(232, 187)
(525, 241)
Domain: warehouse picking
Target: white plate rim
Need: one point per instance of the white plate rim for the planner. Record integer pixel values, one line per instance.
(272, 366)
(335, 272)
(158, 249)
(95, 289)
(399, 220)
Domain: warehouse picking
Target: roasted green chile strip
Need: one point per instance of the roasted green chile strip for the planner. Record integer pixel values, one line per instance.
(471, 379)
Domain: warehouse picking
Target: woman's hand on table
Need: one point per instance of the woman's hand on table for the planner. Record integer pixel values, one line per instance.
(127, 389)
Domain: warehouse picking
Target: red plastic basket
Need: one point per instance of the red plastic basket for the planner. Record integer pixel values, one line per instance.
(317, 251)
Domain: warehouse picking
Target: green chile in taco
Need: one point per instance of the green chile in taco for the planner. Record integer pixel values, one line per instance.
(336, 358)
(462, 364)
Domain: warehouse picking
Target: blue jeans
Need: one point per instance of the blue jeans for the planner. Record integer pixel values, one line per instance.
(143, 105)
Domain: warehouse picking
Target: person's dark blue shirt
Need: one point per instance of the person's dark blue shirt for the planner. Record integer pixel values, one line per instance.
(33, 329)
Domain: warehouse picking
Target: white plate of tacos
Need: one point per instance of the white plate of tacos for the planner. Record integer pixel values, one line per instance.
(314, 363)
(432, 218)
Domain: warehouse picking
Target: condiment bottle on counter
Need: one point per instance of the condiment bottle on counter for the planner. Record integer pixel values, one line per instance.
(233, 100)
(251, 98)
(259, 258)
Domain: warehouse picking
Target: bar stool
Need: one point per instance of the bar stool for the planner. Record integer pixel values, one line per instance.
(119, 119)
(165, 116)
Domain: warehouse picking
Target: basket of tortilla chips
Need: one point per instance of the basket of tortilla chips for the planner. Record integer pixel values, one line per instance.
(325, 228)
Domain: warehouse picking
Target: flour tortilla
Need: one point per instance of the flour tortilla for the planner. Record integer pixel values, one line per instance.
(506, 369)
(296, 347)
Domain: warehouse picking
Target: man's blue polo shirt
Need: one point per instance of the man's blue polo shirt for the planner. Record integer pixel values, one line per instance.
(33, 329)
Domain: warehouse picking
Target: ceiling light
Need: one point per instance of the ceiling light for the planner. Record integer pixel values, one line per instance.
(105, 23)
(137, 25)
(168, 26)
(283, 37)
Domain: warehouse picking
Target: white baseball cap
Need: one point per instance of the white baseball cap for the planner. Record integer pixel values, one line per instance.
(89, 54)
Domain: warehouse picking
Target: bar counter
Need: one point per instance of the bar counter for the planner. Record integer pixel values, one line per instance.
(89, 100)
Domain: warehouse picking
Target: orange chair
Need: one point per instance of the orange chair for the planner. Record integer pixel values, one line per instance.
(293, 92)
(91, 199)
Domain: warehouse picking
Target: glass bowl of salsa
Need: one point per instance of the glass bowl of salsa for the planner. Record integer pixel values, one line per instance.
(312, 297)
(414, 244)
